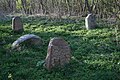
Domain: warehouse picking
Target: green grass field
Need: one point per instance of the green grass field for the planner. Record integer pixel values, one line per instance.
(95, 54)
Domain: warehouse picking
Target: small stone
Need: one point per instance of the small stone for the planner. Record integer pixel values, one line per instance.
(90, 22)
(17, 25)
(58, 53)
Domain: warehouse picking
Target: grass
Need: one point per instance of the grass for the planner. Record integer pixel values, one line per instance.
(95, 55)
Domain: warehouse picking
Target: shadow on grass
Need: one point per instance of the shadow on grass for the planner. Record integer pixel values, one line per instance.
(95, 57)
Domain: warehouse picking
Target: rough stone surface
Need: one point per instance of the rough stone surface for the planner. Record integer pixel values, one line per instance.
(58, 53)
(30, 38)
(90, 22)
(17, 25)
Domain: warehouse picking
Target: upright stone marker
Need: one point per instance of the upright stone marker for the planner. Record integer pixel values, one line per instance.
(90, 22)
(17, 25)
(58, 53)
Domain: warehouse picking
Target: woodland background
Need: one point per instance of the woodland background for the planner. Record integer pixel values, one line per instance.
(59, 8)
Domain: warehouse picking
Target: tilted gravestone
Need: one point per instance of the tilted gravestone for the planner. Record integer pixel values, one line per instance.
(58, 53)
(17, 24)
(30, 38)
(90, 22)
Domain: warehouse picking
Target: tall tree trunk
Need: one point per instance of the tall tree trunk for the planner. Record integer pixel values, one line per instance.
(24, 5)
(87, 6)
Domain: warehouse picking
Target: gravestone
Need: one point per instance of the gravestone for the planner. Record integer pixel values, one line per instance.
(17, 25)
(90, 22)
(58, 53)
(31, 39)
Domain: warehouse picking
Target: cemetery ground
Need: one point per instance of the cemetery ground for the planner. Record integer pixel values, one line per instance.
(95, 53)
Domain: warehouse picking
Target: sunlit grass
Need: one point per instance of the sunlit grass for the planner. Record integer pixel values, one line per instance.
(96, 56)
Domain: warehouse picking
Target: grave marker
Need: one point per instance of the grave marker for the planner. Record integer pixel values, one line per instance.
(90, 22)
(58, 53)
(17, 25)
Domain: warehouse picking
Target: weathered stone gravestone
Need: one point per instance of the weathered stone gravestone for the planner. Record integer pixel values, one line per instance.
(58, 53)
(17, 25)
(30, 38)
(90, 22)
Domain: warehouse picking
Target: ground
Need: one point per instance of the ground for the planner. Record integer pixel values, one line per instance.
(95, 53)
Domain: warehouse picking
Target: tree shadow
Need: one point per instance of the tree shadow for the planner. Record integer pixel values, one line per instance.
(95, 57)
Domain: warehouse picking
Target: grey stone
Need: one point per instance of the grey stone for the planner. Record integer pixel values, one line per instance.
(31, 38)
(58, 53)
(90, 22)
(17, 24)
